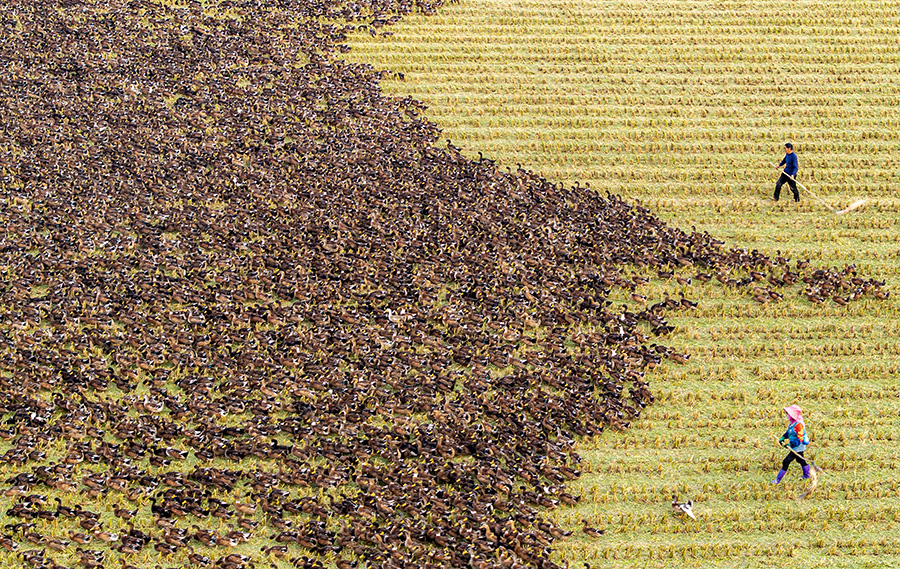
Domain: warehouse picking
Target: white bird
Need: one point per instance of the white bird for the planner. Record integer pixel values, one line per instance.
(686, 508)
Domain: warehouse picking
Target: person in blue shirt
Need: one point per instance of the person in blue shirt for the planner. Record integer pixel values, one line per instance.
(789, 174)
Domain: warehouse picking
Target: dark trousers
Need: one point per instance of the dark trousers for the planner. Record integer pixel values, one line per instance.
(790, 182)
(792, 457)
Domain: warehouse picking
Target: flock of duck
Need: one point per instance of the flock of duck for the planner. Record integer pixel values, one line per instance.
(254, 312)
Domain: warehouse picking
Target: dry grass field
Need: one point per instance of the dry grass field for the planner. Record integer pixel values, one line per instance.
(684, 106)
(252, 315)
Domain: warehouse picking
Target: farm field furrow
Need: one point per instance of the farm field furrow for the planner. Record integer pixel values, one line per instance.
(684, 107)
(499, 76)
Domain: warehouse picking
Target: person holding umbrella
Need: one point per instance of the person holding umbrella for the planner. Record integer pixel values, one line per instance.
(790, 172)
(798, 439)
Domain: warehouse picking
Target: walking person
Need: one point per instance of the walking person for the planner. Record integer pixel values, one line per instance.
(797, 437)
(790, 172)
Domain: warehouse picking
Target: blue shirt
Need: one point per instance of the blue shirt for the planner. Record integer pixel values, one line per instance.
(797, 435)
(790, 164)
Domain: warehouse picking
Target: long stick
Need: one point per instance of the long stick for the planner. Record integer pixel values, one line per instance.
(814, 471)
(853, 206)
(815, 482)
(798, 455)
(820, 200)
(849, 208)
(814, 196)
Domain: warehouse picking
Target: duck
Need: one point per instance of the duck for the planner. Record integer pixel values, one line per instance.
(164, 548)
(106, 536)
(120, 512)
(80, 538)
(57, 544)
(277, 551)
(64, 511)
(683, 508)
(198, 559)
(592, 532)
(8, 544)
